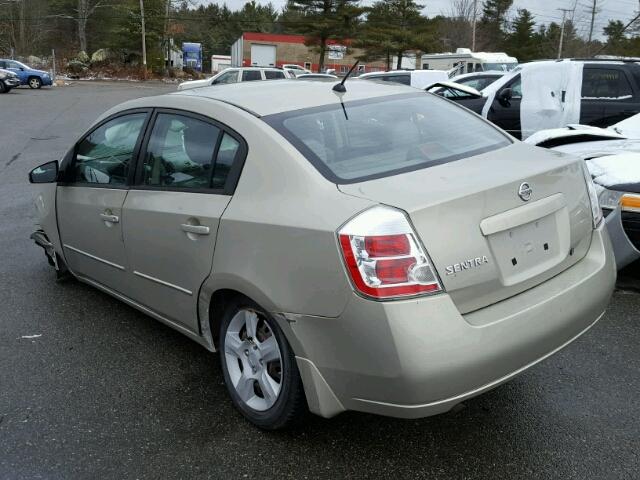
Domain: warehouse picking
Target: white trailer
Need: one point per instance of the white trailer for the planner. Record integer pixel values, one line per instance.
(220, 62)
(466, 61)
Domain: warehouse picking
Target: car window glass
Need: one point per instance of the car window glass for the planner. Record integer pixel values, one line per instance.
(250, 75)
(377, 138)
(106, 154)
(516, 88)
(14, 65)
(605, 83)
(477, 82)
(3, 64)
(227, 77)
(180, 152)
(403, 79)
(229, 147)
(273, 75)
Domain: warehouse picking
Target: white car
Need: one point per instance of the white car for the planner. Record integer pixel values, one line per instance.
(413, 78)
(236, 75)
(295, 69)
(612, 156)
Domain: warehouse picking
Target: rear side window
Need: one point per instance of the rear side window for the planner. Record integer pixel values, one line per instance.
(605, 83)
(385, 136)
(403, 79)
(105, 155)
(227, 153)
(273, 75)
(180, 152)
(251, 75)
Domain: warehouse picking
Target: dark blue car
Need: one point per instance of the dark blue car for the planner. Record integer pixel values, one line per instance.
(28, 76)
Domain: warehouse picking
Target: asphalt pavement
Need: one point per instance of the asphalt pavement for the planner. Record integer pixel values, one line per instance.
(93, 389)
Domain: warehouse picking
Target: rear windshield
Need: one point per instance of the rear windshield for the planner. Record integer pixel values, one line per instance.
(385, 136)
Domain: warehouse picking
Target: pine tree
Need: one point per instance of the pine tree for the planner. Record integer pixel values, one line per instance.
(324, 20)
(393, 27)
(493, 21)
(522, 42)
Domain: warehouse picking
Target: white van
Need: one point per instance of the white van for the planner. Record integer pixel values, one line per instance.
(466, 61)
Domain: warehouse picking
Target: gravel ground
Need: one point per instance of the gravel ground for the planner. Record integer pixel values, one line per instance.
(103, 391)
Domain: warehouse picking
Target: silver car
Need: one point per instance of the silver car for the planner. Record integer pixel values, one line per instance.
(378, 249)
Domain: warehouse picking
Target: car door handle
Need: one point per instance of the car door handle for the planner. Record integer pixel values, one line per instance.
(197, 229)
(109, 218)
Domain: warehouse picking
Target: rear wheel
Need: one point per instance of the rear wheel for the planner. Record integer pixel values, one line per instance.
(259, 368)
(35, 82)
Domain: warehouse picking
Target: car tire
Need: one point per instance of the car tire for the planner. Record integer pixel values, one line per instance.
(35, 83)
(252, 364)
(3, 87)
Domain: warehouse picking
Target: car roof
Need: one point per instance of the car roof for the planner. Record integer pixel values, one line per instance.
(267, 98)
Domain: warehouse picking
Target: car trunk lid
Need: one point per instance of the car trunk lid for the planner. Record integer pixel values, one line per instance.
(488, 236)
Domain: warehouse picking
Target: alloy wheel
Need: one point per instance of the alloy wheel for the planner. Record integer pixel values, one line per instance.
(253, 359)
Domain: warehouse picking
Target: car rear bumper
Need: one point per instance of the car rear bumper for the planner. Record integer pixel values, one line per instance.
(12, 83)
(420, 357)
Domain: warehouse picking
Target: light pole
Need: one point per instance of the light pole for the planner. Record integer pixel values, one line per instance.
(144, 40)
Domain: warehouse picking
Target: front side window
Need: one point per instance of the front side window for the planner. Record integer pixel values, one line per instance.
(478, 83)
(516, 88)
(605, 83)
(227, 77)
(106, 154)
(180, 152)
(385, 136)
(251, 75)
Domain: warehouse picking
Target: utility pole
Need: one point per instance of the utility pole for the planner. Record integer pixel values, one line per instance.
(144, 40)
(564, 16)
(473, 28)
(593, 19)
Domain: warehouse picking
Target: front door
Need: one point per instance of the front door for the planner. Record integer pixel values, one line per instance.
(173, 211)
(506, 114)
(90, 198)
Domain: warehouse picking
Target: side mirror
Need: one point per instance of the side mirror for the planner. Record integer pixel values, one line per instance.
(45, 173)
(505, 95)
(22, 69)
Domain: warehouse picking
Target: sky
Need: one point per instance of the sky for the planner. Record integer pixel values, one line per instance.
(545, 11)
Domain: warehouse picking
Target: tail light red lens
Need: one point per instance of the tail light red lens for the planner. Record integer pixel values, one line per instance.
(387, 245)
(384, 257)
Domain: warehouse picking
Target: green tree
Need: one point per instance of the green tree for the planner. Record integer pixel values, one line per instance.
(617, 41)
(493, 22)
(324, 20)
(522, 40)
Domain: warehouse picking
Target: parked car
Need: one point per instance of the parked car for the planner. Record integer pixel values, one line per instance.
(8, 80)
(380, 250)
(593, 92)
(414, 78)
(612, 156)
(478, 80)
(237, 75)
(28, 76)
(296, 69)
(316, 76)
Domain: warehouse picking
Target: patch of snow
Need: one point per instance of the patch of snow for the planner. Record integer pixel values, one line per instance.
(623, 97)
(629, 127)
(615, 169)
(32, 336)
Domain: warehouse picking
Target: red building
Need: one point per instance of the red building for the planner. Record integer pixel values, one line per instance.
(275, 50)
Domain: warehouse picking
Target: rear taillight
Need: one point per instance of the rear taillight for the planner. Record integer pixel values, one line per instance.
(384, 257)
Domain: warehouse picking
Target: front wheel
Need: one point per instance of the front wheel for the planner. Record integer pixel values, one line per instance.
(35, 83)
(259, 368)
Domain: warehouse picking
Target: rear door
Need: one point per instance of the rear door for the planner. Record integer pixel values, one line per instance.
(608, 96)
(184, 182)
(90, 197)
